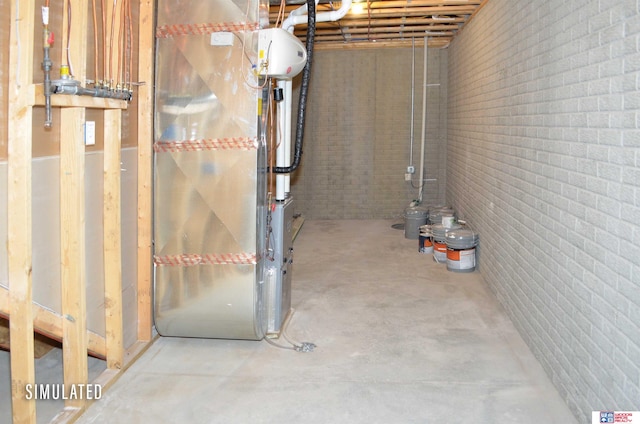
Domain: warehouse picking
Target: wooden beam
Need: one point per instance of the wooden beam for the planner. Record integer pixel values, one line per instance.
(374, 44)
(72, 249)
(20, 115)
(436, 5)
(415, 11)
(112, 239)
(427, 4)
(146, 41)
(396, 31)
(354, 23)
(72, 212)
(49, 324)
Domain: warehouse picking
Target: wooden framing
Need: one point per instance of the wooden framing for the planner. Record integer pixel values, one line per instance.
(16, 301)
(388, 23)
(19, 213)
(112, 240)
(146, 59)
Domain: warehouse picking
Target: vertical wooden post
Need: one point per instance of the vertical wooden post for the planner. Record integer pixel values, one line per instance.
(72, 249)
(19, 212)
(146, 40)
(112, 240)
(72, 211)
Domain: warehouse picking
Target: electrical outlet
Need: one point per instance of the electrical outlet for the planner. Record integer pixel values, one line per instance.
(407, 177)
(90, 133)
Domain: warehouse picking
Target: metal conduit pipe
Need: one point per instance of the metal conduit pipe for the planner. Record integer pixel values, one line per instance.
(93, 92)
(46, 66)
(424, 117)
(304, 89)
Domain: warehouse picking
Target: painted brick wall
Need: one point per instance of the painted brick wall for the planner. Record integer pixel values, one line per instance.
(357, 135)
(544, 161)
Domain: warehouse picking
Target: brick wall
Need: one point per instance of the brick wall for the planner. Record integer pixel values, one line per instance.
(544, 161)
(357, 136)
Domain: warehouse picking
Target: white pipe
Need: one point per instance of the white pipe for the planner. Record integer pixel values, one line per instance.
(284, 133)
(281, 135)
(283, 152)
(288, 92)
(424, 120)
(299, 15)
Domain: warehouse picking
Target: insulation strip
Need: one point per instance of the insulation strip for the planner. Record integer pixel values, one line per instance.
(168, 31)
(237, 143)
(209, 259)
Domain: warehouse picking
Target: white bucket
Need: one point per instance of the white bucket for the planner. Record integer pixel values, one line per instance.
(461, 250)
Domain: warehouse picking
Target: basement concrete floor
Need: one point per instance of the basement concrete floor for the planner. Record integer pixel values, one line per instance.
(399, 340)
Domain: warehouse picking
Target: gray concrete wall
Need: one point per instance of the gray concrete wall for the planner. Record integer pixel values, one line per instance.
(543, 160)
(357, 136)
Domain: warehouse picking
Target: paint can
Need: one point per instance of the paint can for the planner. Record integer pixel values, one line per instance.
(437, 213)
(425, 241)
(439, 233)
(414, 218)
(461, 250)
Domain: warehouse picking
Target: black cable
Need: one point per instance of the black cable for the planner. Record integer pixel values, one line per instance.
(304, 89)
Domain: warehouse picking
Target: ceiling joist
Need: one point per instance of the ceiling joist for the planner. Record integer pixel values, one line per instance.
(387, 23)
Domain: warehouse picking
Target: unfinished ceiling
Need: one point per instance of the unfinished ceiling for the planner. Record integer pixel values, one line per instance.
(387, 23)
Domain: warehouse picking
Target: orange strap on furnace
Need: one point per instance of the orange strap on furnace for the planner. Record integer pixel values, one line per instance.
(168, 31)
(210, 259)
(233, 143)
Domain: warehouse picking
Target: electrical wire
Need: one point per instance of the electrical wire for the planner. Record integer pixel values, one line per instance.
(120, 50)
(130, 47)
(69, 15)
(17, 23)
(104, 43)
(113, 23)
(95, 42)
(280, 16)
(302, 347)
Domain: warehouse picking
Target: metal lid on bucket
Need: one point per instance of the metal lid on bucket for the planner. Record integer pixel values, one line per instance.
(462, 238)
(439, 231)
(436, 213)
(416, 212)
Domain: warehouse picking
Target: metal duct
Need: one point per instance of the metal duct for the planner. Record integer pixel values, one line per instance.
(210, 162)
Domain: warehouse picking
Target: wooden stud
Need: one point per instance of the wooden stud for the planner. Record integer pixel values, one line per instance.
(146, 41)
(112, 239)
(19, 213)
(72, 211)
(72, 249)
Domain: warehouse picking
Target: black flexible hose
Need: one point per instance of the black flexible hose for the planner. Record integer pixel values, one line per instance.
(304, 89)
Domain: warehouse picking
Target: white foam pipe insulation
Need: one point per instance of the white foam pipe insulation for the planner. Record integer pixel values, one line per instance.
(283, 151)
